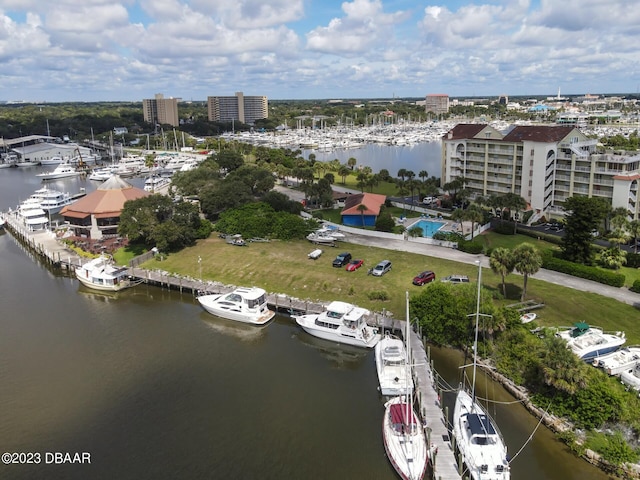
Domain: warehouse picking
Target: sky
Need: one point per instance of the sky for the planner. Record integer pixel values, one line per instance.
(128, 50)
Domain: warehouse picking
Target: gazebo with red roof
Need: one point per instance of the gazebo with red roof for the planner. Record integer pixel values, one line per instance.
(97, 214)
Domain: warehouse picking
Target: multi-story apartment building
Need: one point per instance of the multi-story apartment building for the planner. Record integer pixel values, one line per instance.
(161, 110)
(545, 165)
(237, 108)
(437, 103)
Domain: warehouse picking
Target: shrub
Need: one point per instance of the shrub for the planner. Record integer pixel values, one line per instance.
(470, 246)
(633, 260)
(378, 295)
(635, 287)
(551, 262)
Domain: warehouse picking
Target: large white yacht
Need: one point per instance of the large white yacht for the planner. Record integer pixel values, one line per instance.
(342, 322)
(63, 170)
(590, 342)
(391, 366)
(248, 305)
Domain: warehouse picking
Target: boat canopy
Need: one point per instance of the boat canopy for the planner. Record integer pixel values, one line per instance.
(398, 412)
(579, 329)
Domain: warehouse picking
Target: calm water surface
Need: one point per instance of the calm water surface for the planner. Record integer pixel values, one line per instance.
(153, 387)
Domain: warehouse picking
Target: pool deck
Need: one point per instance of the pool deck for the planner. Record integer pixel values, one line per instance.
(449, 225)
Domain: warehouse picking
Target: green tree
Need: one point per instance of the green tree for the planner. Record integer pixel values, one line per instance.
(561, 368)
(502, 263)
(351, 162)
(229, 160)
(584, 216)
(344, 171)
(362, 208)
(515, 204)
(527, 261)
(634, 231)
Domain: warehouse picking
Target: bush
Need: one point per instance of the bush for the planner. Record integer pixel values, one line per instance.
(633, 260)
(470, 246)
(378, 295)
(551, 262)
(635, 287)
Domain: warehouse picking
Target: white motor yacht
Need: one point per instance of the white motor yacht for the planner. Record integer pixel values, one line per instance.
(155, 183)
(391, 366)
(341, 322)
(248, 305)
(63, 170)
(631, 378)
(102, 273)
(591, 342)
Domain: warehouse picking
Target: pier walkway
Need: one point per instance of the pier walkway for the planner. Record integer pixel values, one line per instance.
(443, 463)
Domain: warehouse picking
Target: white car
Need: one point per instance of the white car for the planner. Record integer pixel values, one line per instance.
(428, 200)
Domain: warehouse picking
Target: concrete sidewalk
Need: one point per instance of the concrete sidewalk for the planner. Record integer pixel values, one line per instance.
(621, 294)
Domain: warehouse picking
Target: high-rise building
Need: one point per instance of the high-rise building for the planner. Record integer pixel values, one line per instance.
(237, 108)
(437, 103)
(545, 165)
(161, 110)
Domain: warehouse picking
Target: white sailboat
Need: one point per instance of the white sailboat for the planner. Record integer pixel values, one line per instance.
(403, 431)
(481, 445)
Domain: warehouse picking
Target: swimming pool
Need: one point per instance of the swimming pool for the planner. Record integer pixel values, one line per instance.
(429, 227)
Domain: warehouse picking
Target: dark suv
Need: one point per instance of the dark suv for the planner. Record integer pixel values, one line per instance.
(342, 259)
(424, 277)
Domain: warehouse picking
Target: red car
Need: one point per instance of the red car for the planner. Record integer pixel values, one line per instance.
(424, 277)
(353, 265)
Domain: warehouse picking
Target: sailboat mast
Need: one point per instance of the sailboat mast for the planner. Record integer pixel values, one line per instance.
(475, 341)
(409, 400)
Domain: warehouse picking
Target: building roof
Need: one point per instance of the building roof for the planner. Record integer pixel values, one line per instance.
(538, 133)
(464, 130)
(372, 201)
(106, 201)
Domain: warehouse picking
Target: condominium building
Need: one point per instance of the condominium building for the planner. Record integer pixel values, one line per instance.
(545, 165)
(237, 108)
(161, 110)
(437, 103)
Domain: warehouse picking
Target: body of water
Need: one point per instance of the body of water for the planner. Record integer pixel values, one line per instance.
(151, 386)
(416, 157)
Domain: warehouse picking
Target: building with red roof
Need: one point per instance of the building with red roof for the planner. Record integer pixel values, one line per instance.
(362, 209)
(97, 214)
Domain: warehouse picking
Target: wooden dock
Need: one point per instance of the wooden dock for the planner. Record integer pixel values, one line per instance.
(443, 465)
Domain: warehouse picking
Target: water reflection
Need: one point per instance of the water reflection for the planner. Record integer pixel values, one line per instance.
(339, 355)
(231, 328)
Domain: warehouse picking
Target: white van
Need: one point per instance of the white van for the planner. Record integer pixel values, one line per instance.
(380, 269)
(428, 200)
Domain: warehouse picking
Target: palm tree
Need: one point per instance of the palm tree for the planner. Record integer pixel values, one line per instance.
(501, 262)
(402, 173)
(362, 180)
(344, 171)
(561, 368)
(362, 208)
(423, 174)
(351, 162)
(513, 201)
(634, 231)
(527, 261)
(474, 214)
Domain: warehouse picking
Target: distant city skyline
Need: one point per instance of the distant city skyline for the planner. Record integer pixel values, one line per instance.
(103, 50)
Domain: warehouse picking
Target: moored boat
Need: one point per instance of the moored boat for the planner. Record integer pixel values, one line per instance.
(102, 273)
(631, 378)
(63, 170)
(391, 367)
(480, 443)
(248, 305)
(589, 342)
(342, 322)
(617, 362)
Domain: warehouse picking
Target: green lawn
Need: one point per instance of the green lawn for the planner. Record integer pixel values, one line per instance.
(283, 267)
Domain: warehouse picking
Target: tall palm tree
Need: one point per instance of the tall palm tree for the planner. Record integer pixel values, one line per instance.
(402, 173)
(474, 214)
(351, 162)
(561, 368)
(501, 262)
(514, 203)
(344, 171)
(423, 174)
(362, 208)
(527, 261)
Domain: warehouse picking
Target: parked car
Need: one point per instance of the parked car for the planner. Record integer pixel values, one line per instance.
(355, 264)
(456, 279)
(342, 259)
(380, 269)
(424, 277)
(428, 200)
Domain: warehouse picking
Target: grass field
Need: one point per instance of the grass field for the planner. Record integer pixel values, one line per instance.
(283, 267)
